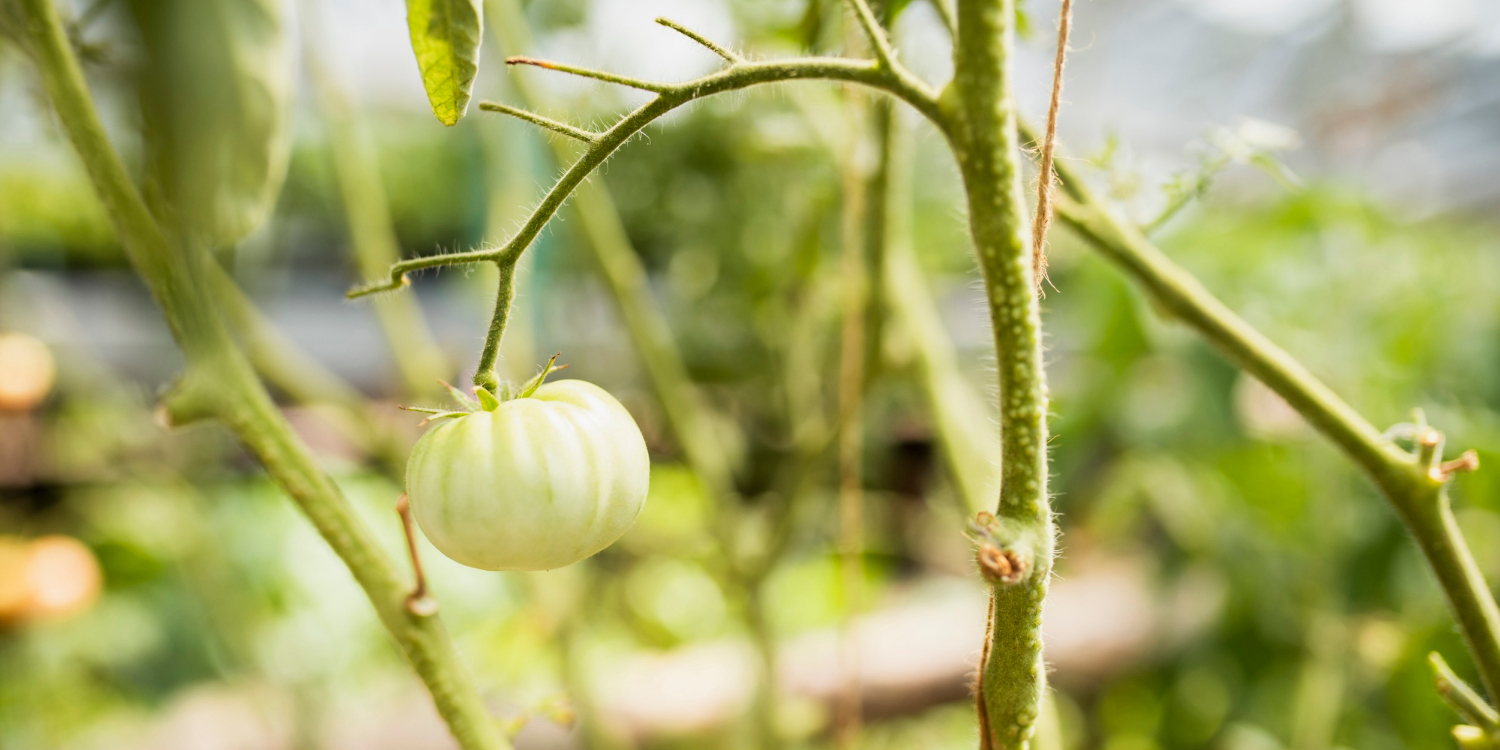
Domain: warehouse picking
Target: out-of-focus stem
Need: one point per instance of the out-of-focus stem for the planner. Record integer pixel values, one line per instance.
(855, 274)
(219, 383)
(372, 236)
(1320, 689)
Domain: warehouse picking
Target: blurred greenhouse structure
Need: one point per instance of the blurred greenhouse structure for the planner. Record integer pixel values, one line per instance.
(1226, 578)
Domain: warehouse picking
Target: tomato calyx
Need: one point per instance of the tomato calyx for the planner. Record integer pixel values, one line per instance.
(486, 400)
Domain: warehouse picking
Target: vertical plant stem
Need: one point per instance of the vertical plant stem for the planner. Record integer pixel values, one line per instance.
(1012, 677)
(485, 373)
(855, 274)
(961, 419)
(372, 236)
(1320, 687)
(220, 383)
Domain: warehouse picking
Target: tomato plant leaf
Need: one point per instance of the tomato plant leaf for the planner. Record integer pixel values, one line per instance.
(216, 92)
(445, 36)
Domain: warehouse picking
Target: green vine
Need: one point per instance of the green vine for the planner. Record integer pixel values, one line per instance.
(220, 384)
(1415, 482)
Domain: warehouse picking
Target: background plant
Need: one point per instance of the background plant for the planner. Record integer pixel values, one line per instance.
(1131, 491)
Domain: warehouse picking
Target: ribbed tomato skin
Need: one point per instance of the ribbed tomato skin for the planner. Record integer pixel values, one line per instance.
(539, 483)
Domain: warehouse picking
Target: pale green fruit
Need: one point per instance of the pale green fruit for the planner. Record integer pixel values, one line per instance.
(541, 482)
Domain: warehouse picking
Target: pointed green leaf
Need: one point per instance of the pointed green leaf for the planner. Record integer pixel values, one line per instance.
(463, 399)
(487, 400)
(445, 35)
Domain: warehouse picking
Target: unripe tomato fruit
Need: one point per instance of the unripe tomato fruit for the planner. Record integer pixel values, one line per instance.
(539, 482)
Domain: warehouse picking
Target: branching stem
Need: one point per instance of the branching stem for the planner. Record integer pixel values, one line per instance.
(587, 136)
(1414, 489)
(417, 602)
(879, 42)
(1012, 677)
(740, 75)
(1462, 698)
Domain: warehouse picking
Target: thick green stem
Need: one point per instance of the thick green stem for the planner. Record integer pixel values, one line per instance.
(1012, 676)
(220, 383)
(1418, 496)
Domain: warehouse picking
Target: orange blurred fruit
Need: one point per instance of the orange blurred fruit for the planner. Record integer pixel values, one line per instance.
(63, 577)
(15, 592)
(26, 371)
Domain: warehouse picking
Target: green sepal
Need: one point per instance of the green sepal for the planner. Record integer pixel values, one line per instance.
(464, 399)
(436, 414)
(487, 400)
(530, 386)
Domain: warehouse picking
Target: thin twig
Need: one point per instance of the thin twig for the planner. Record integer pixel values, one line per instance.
(598, 75)
(587, 136)
(1462, 698)
(729, 57)
(1467, 461)
(879, 42)
(897, 82)
(1049, 142)
(417, 602)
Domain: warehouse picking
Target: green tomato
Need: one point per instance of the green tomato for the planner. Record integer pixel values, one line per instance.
(537, 483)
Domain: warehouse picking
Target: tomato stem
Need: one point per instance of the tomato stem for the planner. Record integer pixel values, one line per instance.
(505, 293)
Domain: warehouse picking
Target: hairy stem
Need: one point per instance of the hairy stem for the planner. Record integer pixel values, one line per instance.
(485, 373)
(896, 82)
(220, 383)
(1417, 492)
(1012, 677)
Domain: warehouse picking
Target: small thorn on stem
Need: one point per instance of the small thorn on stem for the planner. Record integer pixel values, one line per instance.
(418, 602)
